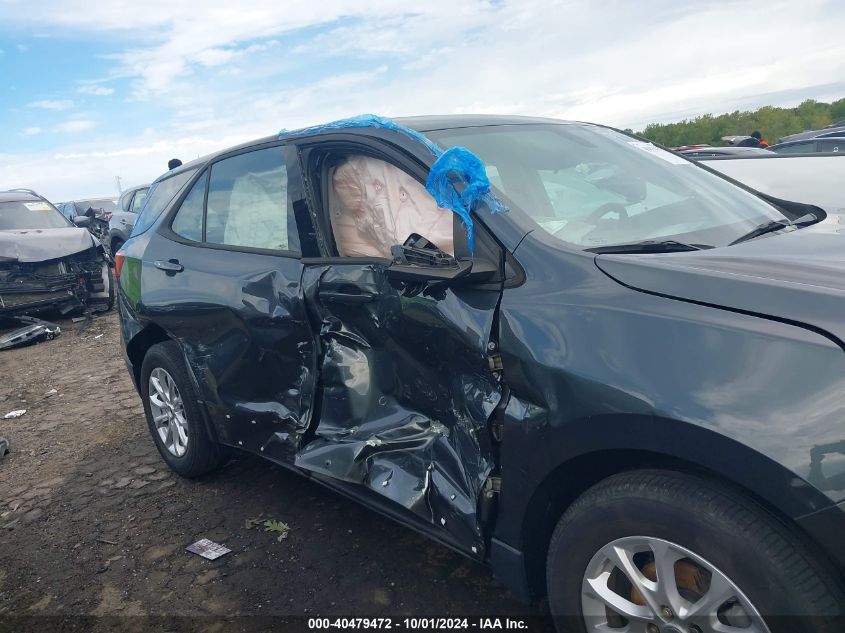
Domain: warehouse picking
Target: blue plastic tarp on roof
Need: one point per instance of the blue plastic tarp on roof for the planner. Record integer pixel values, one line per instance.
(456, 165)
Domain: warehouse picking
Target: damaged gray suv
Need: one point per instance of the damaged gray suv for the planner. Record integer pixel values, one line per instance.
(611, 374)
(48, 262)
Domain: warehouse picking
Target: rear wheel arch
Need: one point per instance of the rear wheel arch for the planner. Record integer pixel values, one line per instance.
(141, 343)
(563, 486)
(137, 349)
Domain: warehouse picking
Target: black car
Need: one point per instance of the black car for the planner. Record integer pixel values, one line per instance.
(826, 144)
(619, 380)
(47, 262)
(834, 130)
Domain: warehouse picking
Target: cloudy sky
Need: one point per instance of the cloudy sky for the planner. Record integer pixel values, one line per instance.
(93, 89)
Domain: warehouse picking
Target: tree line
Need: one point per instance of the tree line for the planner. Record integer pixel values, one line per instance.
(773, 123)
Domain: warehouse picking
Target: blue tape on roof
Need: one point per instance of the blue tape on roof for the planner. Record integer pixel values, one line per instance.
(455, 165)
(364, 120)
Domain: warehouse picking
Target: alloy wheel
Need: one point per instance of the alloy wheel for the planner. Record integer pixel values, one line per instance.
(649, 585)
(168, 412)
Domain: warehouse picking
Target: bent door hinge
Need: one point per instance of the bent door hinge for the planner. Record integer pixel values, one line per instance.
(489, 499)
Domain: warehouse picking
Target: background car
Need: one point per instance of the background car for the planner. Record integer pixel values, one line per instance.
(46, 262)
(832, 130)
(814, 179)
(702, 152)
(80, 207)
(98, 209)
(619, 381)
(824, 144)
(123, 219)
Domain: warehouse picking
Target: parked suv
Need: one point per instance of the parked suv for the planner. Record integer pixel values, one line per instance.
(123, 218)
(625, 393)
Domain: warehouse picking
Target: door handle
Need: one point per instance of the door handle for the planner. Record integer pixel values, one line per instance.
(171, 266)
(329, 296)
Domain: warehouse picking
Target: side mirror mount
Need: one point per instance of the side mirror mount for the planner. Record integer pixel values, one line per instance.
(419, 260)
(82, 221)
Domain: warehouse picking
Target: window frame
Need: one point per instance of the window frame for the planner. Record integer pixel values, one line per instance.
(833, 140)
(171, 218)
(165, 226)
(135, 193)
(310, 150)
(156, 224)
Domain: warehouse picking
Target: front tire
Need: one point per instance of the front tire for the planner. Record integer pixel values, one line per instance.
(173, 414)
(664, 551)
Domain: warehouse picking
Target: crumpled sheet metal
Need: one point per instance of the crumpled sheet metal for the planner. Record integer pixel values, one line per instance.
(271, 404)
(35, 331)
(457, 165)
(390, 421)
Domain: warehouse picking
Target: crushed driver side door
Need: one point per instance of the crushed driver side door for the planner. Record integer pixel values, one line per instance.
(408, 384)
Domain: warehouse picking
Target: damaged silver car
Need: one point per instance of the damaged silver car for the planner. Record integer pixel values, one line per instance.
(48, 262)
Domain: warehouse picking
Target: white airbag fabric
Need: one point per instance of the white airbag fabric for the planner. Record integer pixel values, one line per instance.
(375, 205)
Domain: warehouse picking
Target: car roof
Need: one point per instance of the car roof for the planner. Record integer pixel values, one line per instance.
(428, 123)
(832, 130)
(803, 141)
(18, 196)
(730, 150)
(434, 122)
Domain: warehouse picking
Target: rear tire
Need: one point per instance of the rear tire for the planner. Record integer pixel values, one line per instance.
(631, 516)
(198, 453)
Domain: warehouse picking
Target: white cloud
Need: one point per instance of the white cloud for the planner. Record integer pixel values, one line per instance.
(75, 125)
(96, 90)
(52, 104)
(222, 75)
(31, 131)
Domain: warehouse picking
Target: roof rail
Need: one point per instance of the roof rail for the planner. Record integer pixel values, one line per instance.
(22, 190)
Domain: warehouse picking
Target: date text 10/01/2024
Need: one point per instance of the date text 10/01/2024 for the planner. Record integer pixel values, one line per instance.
(412, 624)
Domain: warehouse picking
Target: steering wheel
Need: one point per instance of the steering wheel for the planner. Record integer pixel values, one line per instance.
(603, 210)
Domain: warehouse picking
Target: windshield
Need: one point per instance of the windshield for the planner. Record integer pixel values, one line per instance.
(36, 214)
(594, 187)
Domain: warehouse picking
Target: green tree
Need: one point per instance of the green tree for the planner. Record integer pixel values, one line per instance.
(772, 122)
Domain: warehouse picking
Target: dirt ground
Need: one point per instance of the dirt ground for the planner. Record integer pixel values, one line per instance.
(93, 526)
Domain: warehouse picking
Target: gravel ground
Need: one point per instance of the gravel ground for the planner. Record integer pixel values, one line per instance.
(94, 525)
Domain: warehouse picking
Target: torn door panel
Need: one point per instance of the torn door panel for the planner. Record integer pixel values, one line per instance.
(263, 327)
(407, 392)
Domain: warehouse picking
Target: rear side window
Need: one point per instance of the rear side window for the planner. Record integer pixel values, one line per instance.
(797, 148)
(188, 220)
(837, 145)
(159, 196)
(248, 202)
